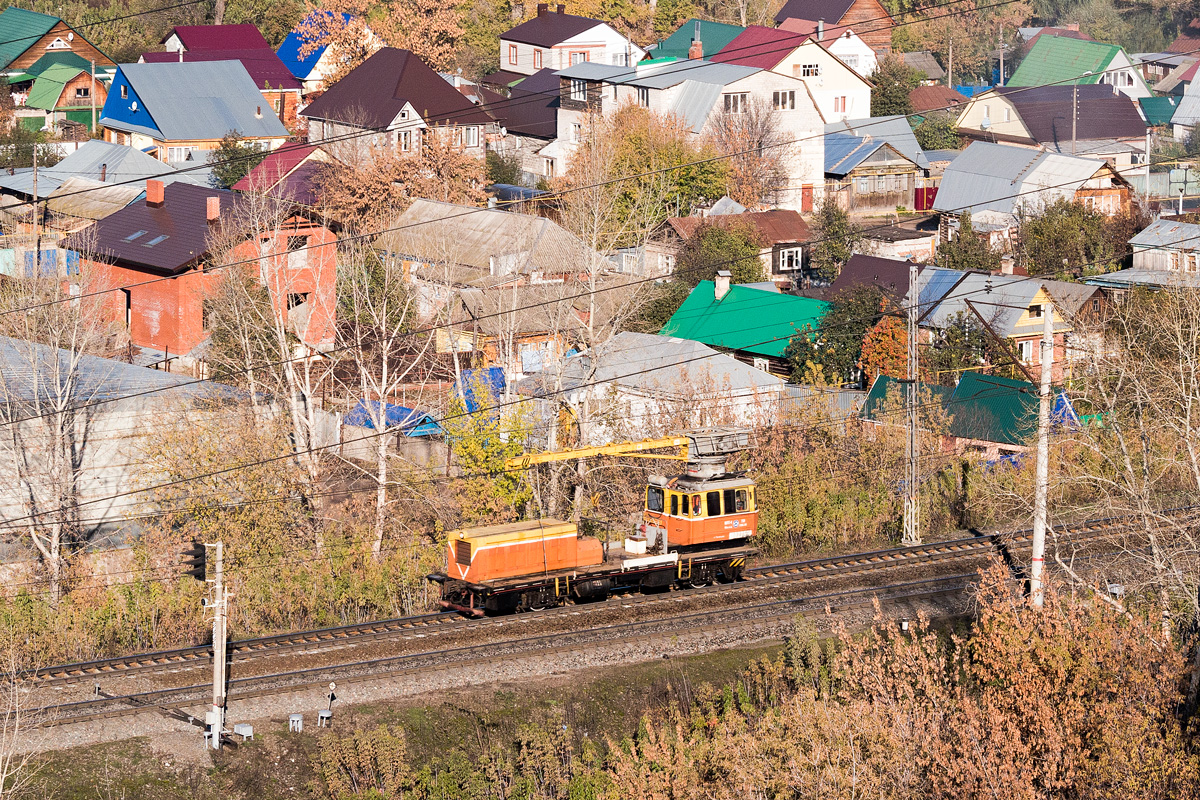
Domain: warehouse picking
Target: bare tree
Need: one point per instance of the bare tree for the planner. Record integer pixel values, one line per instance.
(754, 142)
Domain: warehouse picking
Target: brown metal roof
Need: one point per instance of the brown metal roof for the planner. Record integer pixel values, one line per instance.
(169, 238)
(548, 29)
(934, 98)
(889, 275)
(1103, 112)
(374, 92)
(777, 226)
(829, 10)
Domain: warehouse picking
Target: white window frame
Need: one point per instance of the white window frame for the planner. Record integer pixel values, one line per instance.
(579, 57)
(1035, 311)
(512, 55)
(404, 140)
(1025, 351)
(643, 96)
(737, 102)
(579, 90)
(791, 259)
(810, 70)
(576, 132)
(180, 153)
(537, 58)
(470, 136)
(784, 101)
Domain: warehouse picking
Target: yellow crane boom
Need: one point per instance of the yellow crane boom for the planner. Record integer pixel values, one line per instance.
(619, 449)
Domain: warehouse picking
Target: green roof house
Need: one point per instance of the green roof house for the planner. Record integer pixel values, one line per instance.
(994, 415)
(713, 36)
(1057, 60)
(1159, 110)
(755, 323)
(26, 36)
(65, 92)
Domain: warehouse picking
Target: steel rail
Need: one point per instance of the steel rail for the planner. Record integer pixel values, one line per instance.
(755, 578)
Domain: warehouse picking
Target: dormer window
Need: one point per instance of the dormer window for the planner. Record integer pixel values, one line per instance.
(58, 44)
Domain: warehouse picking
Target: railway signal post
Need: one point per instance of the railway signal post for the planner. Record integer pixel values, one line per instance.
(196, 561)
(1041, 487)
(912, 499)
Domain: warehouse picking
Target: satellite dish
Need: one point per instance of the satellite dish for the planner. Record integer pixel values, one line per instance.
(985, 123)
(133, 105)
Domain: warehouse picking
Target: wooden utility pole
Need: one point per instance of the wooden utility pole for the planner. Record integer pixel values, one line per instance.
(1000, 42)
(93, 130)
(912, 498)
(1074, 113)
(950, 62)
(37, 211)
(1041, 486)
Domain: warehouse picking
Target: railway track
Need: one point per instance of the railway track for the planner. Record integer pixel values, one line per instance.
(428, 625)
(766, 614)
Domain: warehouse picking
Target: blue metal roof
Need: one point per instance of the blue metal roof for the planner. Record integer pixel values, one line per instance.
(844, 152)
(894, 130)
(289, 51)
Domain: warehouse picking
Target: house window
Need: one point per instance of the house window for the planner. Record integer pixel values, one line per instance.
(471, 136)
(576, 132)
(58, 44)
(987, 111)
(764, 365)
(810, 70)
(1008, 115)
(1035, 312)
(83, 92)
(839, 105)
(295, 243)
(851, 61)
(737, 103)
(643, 95)
(404, 139)
(783, 101)
(134, 235)
(578, 58)
(1025, 351)
(512, 54)
(548, 167)
(537, 59)
(124, 92)
(177, 154)
(864, 185)
(156, 240)
(578, 90)
(1096, 306)
(789, 259)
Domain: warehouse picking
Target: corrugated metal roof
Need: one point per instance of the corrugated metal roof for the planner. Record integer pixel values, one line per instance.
(88, 199)
(694, 102)
(924, 61)
(201, 100)
(1188, 111)
(760, 47)
(829, 10)
(48, 86)
(1168, 233)
(894, 130)
(20, 30)
(996, 177)
(1058, 59)
(981, 407)
(661, 75)
(548, 29)
(65, 57)
(713, 37)
(745, 319)
(265, 68)
(289, 51)
(244, 36)
(1154, 278)
(1159, 110)
(120, 163)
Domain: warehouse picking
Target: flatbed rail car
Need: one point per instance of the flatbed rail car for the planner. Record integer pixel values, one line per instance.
(498, 569)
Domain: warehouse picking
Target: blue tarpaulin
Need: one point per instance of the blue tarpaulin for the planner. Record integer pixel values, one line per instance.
(410, 421)
(488, 382)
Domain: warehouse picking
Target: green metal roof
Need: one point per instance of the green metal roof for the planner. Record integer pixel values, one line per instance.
(54, 59)
(1158, 110)
(49, 86)
(747, 319)
(20, 30)
(713, 37)
(981, 407)
(1059, 60)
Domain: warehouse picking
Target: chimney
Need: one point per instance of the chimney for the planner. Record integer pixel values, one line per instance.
(542, 9)
(820, 30)
(154, 193)
(721, 284)
(181, 56)
(103, 172)
(562, 9)
(1073, 26)
(213, 209)
(696, 51)
(258, 111)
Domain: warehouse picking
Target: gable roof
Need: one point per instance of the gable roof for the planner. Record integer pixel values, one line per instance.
(1102, 112)
(194, 101)
(661, 74)
(1178, 77)
(20, 30)
(924, 61)
(889, 275)
(997, 177)
(844, 152)
(776, 226)
(1158, 110)
(246, 36)
(548, 29)
(1188, 110)
(531, 107)
(52, 59)
(745, 319)
(1056, 59)
(894, 130)
(831, 11)
(713, 37)
(985, 408)
(373, 94)
(48, 87)
(1002, 299)
(264, 67)
(289, 50)
(1188, 40)
(88, 199)
(281, 174)
(759, 47)
(174, 235)
(119, 162)
(934, 98)
(1167, 233)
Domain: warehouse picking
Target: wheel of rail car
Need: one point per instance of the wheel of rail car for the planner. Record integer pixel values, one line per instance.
(699, 582)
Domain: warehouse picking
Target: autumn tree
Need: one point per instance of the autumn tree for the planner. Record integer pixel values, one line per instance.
(885, 349)
(835, 239)
(833, 352)
(893, 80)
(341, 31)
(967, 250)
(233, 160)
(1068, 239)
(721, 243)
(755, 146)
(428, 28)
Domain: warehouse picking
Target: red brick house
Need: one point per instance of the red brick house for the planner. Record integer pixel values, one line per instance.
(154, 257)
(867, 18)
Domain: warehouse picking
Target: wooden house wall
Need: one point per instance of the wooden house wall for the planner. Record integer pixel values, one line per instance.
(77, 45)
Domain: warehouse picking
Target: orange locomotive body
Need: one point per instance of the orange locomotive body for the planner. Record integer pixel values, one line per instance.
(519, 548)
(697, 512)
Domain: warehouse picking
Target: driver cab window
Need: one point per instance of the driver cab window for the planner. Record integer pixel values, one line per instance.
(713, 501)
(742, 501)
(674, 505)
(654, 499)
(696, 505)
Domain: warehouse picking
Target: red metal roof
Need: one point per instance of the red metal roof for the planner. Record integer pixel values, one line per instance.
(275, 167)
(548, 29)
(777, 226)
(375, 92)
(220, 37)
(934, 98)
(759, 47)
(1188, 40)
(808, 27)
(264, 67)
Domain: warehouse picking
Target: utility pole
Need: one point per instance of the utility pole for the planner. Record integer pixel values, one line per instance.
(950, 61)
(37, 212)
(1000, 43)
(912, 499)
(93, 130)
(216, 718)
(1074, 112)
(1041, 487)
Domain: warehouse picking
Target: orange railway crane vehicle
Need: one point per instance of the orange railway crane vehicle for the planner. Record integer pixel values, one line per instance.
(695, 528)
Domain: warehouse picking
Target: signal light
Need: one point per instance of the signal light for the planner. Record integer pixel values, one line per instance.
(195, 559)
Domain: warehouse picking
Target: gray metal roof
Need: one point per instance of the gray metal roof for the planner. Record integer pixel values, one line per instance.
(26, 370)
(88, 199)
(1188, 111)
(894, 130)
(1000, 299)
(198, 100)
(1167, 233)
(694, 102)
(1139, 276)
(122, 164)
(1002, 178)
(662, 75)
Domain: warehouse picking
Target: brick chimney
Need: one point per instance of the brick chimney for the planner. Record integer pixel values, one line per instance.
(103, 172)
(562, 9)
(721, 284)
(213, 209)
(542, 9)
(155, 193)
(696, 50)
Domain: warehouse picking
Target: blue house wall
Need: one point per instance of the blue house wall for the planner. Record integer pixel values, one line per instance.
(129, 110)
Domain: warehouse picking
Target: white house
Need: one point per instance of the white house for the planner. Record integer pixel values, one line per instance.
(698, 93)
(838, 90)
(554, 40)
(842, 42)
